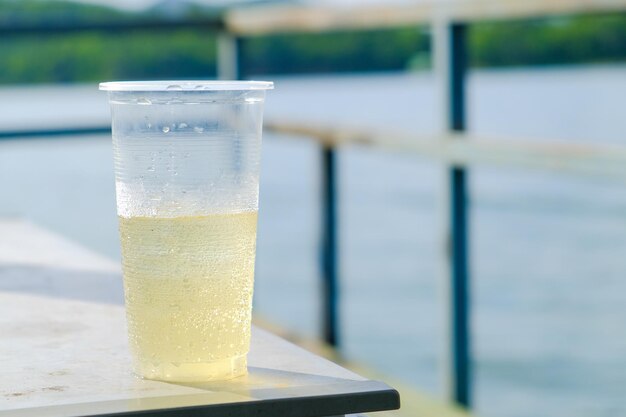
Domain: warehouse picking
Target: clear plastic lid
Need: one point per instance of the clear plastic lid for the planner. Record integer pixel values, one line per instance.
(186, 85)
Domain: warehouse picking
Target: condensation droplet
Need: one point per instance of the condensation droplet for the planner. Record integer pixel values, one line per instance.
(198, 129)
(166, 129)
(183, 126)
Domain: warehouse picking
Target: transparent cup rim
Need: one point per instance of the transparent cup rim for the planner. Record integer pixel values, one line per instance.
(186, 85)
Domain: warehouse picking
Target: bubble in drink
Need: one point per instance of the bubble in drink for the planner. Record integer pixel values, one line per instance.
(188, 284)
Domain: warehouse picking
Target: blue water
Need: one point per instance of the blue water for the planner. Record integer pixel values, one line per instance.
(548, 264)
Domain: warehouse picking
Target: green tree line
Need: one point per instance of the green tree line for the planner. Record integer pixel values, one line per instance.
(188, 53)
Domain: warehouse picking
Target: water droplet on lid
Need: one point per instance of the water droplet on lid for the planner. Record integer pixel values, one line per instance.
(143, 100)
(174, 87)
(151, 168)
(183, 126)
(198, 129)
(166, 129)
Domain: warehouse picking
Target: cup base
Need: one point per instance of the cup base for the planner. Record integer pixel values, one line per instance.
(193, 372)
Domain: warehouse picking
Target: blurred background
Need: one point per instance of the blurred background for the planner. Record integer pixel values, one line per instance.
(548, 298)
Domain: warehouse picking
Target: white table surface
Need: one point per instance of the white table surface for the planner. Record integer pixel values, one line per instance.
(63, 349)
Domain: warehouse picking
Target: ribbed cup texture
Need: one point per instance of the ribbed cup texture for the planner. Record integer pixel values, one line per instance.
(186, 153)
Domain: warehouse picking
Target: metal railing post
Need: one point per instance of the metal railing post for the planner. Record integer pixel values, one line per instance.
(330, 284)
(451, 62)
(228, 56)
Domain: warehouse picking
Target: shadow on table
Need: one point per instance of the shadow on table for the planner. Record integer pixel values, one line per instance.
(63, 283)
(283, 393)
(258, 380)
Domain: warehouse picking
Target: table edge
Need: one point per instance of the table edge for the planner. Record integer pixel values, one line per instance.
(380, 398)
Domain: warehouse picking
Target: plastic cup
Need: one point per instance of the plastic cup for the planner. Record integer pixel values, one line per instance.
(186, 159)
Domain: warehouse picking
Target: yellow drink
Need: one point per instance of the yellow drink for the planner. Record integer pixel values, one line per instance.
(188, 285)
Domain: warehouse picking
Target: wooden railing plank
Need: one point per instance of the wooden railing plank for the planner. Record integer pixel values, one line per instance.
(605, 160)
(314, 18)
